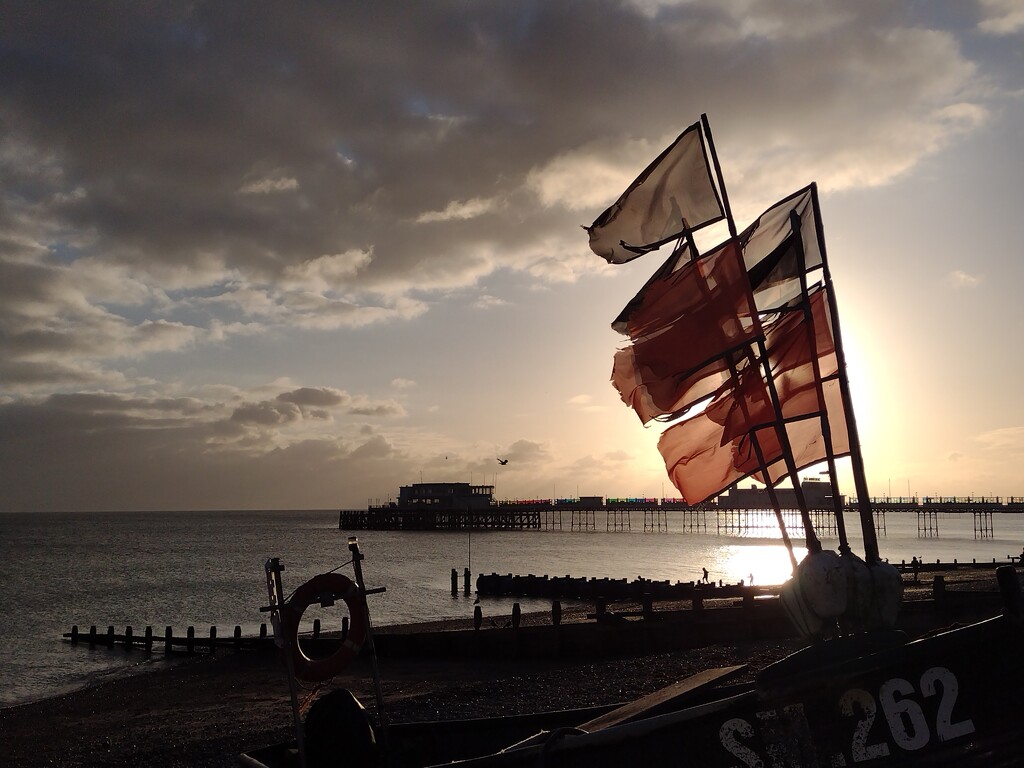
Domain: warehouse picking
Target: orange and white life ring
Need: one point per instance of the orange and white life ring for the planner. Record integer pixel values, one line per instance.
(320, 589)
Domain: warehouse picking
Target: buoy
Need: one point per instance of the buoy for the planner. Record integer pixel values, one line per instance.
(324, 589)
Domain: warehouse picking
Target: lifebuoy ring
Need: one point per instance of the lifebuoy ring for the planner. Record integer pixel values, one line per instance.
(326, 586)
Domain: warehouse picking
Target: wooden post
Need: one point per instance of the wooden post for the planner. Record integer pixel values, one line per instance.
(478, 617)
(455, 582)
(213, 639)
(74, 634)
(647, 606)
(149, 639)
(92, 635)
(316, 628)
(128, 637)
(344, 628)
(168, 638)
(110, 635)
(190, 640)
(465, 581)
(1009, 588)
(238, 638)
(516, 615)
(601, 608)
(263, 631)
(556, 612)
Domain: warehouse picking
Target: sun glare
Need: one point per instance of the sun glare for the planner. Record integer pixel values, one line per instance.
(767, 563)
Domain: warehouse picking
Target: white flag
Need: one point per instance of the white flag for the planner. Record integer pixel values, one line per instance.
(677, 185)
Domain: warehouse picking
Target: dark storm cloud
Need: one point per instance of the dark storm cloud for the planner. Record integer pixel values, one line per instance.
(269, 137)
(264, 137)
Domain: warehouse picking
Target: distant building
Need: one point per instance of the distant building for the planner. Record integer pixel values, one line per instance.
(817, 493)
(445, 496)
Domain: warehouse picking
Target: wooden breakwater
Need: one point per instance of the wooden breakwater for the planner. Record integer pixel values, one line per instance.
(170, 643)
(605, 633)
(584, 588)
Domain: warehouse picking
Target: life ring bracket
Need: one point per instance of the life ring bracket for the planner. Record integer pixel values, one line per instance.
(324, 590)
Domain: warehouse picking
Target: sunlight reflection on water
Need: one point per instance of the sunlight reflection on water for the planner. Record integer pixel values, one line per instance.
(203, 569)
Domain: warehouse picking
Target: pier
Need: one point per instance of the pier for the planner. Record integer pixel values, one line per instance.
(741, 512)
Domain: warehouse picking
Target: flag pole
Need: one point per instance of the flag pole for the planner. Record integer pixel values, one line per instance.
(867, 522)
(811, 539)
(812, 340)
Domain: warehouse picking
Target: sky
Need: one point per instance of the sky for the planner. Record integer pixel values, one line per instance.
(280, 256)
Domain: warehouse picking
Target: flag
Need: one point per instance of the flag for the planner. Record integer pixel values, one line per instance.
(775, 255)
(806, 438)
(707, 453)
(678, 185)
(686, 331)
(701, 456)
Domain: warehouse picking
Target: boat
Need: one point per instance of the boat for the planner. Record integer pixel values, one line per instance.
(739, 350)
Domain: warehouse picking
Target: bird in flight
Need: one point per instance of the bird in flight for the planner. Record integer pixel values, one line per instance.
(503, 462)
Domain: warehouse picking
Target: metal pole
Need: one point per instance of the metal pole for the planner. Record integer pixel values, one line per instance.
(357, 558)
(275, 591)
(867, 524)
(812, 339)
(784, 438)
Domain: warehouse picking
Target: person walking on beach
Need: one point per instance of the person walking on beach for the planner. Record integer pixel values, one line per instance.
(706, 574)
(915, 564)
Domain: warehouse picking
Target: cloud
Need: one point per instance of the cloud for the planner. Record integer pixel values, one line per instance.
(328, 272)
(486, 301)
(585, 403)
(322, 397)
(267, 413)
(400, 383)
(179, 193)
(1004, 440)
(268, 185)
(1001, 17)
(960, 279)
(388, 409)
(526, 453)
(458, 210)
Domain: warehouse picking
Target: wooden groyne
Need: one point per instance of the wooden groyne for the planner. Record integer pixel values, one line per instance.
(169, 642)
(702, 615)
(583, 588)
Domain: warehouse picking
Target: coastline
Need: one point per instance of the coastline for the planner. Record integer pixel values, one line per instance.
(205, 710)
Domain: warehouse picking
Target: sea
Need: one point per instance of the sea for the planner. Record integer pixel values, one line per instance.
(206, 569)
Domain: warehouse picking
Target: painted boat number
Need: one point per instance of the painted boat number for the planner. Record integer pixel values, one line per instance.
(787, 738)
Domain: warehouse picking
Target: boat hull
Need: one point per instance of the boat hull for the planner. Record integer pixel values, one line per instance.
(952, 699)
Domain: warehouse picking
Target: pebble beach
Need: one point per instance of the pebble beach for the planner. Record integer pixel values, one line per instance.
(207, 710)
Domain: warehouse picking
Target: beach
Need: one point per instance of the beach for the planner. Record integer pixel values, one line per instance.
(207, 710)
